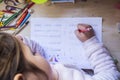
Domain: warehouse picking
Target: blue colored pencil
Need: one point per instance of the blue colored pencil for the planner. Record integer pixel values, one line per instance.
(25, 19)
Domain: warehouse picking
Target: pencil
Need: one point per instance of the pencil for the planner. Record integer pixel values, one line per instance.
(10, 19)
(25, 19)
(88, 29)
(13, 26)
(21, 19)
(25, 10)
(20, 29)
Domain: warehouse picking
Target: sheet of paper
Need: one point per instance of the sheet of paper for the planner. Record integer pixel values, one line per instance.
(56, 36)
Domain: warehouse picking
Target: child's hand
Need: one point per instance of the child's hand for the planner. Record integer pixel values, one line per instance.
(19, 37)
(84, 32)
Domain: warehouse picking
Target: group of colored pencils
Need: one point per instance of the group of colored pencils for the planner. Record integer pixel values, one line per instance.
(20, 18)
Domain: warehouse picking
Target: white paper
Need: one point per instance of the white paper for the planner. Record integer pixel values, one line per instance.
(56, 36)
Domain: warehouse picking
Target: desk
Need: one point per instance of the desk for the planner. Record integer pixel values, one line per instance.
(94, 8)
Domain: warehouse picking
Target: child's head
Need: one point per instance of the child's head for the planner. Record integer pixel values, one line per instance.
(17, 61)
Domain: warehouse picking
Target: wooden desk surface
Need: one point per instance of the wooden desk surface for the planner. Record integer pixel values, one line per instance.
(95, 8)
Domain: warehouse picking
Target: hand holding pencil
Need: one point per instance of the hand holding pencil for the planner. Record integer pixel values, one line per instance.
(84, 32)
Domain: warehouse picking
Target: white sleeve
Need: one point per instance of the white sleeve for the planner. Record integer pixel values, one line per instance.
(100, 60)
(34, 46)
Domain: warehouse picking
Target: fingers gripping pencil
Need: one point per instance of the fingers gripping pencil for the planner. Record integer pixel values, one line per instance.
(85, 30)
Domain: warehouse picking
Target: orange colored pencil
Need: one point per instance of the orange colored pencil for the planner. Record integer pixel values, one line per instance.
(21, 18)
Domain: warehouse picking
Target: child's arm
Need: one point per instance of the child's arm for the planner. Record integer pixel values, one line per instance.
(34, 46)
(100, 60)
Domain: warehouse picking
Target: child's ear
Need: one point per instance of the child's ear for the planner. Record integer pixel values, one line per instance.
(19, 76)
